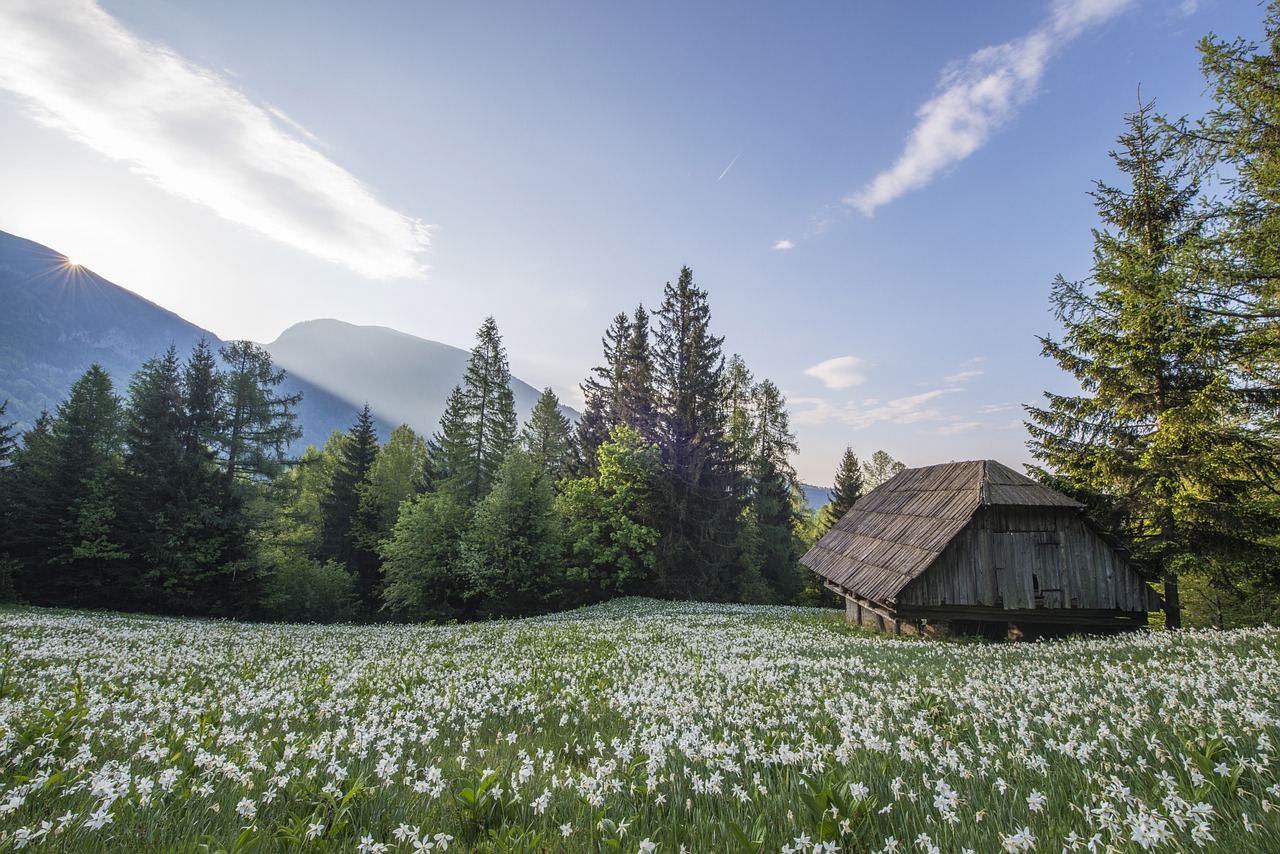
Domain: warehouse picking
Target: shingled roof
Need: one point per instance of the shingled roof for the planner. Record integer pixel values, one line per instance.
(896, 531)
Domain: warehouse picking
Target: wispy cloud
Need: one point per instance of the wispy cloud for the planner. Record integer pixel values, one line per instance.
(977, 96)
(925, 406)
(841, 372)
(861, 414)
(957, 427)
(184, 128)
(784, 244)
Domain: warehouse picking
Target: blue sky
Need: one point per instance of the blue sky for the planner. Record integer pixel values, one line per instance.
(876, 199)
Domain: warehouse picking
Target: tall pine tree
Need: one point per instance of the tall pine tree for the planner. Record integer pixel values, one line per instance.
(69, 475)
(621, 390)
(344, 521)
(548, 437)
(700, 553)
(478, 427)
(1161, 439)
(848, 488)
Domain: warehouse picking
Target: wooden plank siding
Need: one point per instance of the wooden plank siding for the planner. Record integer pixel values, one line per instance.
(1026, 558)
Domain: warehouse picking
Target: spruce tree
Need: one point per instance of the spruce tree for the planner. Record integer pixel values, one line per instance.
(202, 389)
(1240, 260)
(33, 519)
(8, 566)
(621, 390)
(700, 553)
(848, 488)
(635, 399)
(600, 393)
(1161, 439)
(153, 508)
(8, 439)
(739, 405)
(478, 427)
(68, 479)
(774, 486)
(450, 451)
(548, 437)
(344, 522)
(256, 422)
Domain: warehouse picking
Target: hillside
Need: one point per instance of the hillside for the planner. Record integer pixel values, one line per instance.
(405, 379)
(59, 318)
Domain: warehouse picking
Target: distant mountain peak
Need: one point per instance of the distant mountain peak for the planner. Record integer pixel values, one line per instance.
(404, 378)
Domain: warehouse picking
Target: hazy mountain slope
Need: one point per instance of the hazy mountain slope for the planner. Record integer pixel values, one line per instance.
(816, 497)
(405, 379)
(57, 319)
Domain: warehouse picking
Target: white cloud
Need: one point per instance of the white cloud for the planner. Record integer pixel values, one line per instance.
(909, 409)
(185, 129)
(862, 414)
(784, 244)
(958, 427)
(976, 97)
(841, 372)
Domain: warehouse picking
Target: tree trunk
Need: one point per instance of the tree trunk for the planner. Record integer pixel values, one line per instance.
(1172, 604)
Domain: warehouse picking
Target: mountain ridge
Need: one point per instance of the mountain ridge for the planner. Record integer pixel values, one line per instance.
(59, 318)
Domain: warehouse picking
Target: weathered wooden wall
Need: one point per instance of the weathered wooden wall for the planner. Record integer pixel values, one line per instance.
(1018, 558)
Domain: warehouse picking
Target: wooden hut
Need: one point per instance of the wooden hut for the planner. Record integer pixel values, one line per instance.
(974, 547)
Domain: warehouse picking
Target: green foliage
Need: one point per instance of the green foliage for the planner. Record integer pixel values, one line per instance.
(548, 437)
(65, 508)
(879, 469)
(397, 474)
(300, 589)
(1164, 438)
(610, 520)
(478, 427)
(699, 554)
(171, 496)
(255, 423)
(349, 523)
(8, 440)
(511, 553)
(621, 390)
(421, 562)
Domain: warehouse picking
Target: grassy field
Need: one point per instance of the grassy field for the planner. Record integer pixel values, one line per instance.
(636, 726)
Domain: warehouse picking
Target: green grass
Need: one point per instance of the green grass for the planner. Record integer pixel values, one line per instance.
(624, 726)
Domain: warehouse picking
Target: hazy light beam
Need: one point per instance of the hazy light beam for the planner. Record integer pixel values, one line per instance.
(189, 132)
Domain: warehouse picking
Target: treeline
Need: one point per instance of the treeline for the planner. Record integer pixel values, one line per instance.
(178, 497)
(1174, 439)
(148, 502)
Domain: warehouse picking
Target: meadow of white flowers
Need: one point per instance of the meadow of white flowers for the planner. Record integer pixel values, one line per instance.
(638, 727)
